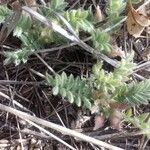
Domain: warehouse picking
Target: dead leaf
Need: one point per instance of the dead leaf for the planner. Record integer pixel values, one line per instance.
(98, 15)
(145, 10)
(140, 18)
(136, 21)
(134, 28)
(99, 122)
(116, 51)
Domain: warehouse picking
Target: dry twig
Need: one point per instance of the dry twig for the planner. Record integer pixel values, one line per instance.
(59, 128)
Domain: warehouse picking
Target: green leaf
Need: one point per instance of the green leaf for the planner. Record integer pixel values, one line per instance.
(87, 103)
(72, 89)
(129, 113)
(101, 41)
(140, 122)
(55, 90)
(70, 97)
(63, 79)
(79, 20)
(134, 93)
(4, 13)
(23, 25)
(58, 5)
(63, 92)
(78, 101)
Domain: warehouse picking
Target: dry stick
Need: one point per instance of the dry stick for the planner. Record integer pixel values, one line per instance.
(14, 82)
(59, 128)
(101, 137)
(50, 134)
(15, 102)
(45, 63)
(142, 66)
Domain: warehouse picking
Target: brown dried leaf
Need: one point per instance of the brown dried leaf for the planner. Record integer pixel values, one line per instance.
(141, 18)
(136, 21)
(133, 27)
(116, 51)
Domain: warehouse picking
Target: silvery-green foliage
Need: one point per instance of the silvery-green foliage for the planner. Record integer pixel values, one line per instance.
(72, 89)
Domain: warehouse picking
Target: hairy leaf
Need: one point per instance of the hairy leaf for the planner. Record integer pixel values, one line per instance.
(134, 93)
(73, 89)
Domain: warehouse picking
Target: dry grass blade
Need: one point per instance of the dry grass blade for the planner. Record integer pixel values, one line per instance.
(52, 25)
(45, 63)
(142, 66)
(59, 128)
(15, 102)
(50, 134)
(13, 82)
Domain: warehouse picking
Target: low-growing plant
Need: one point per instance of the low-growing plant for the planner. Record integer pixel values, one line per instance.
(73, 89)
(141, 121)
(34, 35)
(103, 89)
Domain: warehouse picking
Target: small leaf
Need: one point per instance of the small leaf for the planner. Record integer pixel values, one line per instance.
(87, 103)
(63, 79)
(70, 97)
(55, 90)
(78, 101)
(63, 92)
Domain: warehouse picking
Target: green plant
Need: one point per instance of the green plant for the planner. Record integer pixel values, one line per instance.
(141, 121)
(102, 87)
(34, 35)
(134, 93)
(112, 87)
(58, 5)
(114, 10)
(101, 41)
(18, 56)
(109, 81)
(79, 20)
(4, 13)
(73, 89)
